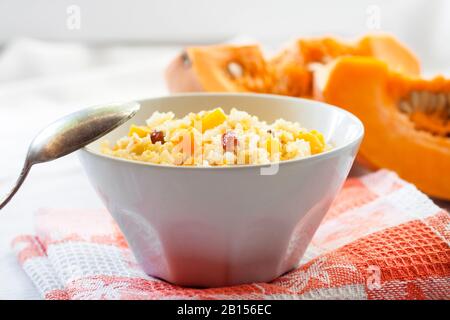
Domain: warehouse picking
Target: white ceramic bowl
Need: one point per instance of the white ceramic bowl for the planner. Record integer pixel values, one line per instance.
(203, 227)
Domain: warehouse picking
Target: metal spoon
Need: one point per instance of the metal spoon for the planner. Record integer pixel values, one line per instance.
(71, 133)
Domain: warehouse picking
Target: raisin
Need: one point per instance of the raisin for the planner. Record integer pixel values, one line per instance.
(157, 136)
(229, 141)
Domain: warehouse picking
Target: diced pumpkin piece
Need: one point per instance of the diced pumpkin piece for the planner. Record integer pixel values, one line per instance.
(319, 136)
(141, 131)
(315, 139)
(213, 119)
(273, 145)
(139, 148)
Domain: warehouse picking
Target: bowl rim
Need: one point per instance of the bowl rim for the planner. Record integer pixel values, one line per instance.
(323, 155)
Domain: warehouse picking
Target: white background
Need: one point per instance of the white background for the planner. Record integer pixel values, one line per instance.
(422, 24)
(47, 70)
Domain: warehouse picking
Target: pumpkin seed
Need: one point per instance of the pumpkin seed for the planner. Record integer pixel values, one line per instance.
(431, 103)
(415, 99)
(405, 107)
(440, 103)
(185, 59)
(235, 69)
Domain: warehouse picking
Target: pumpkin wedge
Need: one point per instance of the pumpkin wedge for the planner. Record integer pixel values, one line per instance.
(406, 118)
(220, 68)
(323, 50)
(295, 65)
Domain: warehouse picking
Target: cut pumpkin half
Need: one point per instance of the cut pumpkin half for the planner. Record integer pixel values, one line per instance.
(406, 118)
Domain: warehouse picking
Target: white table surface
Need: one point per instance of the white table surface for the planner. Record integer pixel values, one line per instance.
(40, 82)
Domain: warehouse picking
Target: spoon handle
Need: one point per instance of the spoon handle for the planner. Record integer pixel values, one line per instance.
(26, 168)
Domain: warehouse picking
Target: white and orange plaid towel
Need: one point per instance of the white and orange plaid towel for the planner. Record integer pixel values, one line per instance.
(382, 239)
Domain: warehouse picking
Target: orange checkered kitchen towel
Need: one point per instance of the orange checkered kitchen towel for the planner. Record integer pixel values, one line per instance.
(382, 239)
